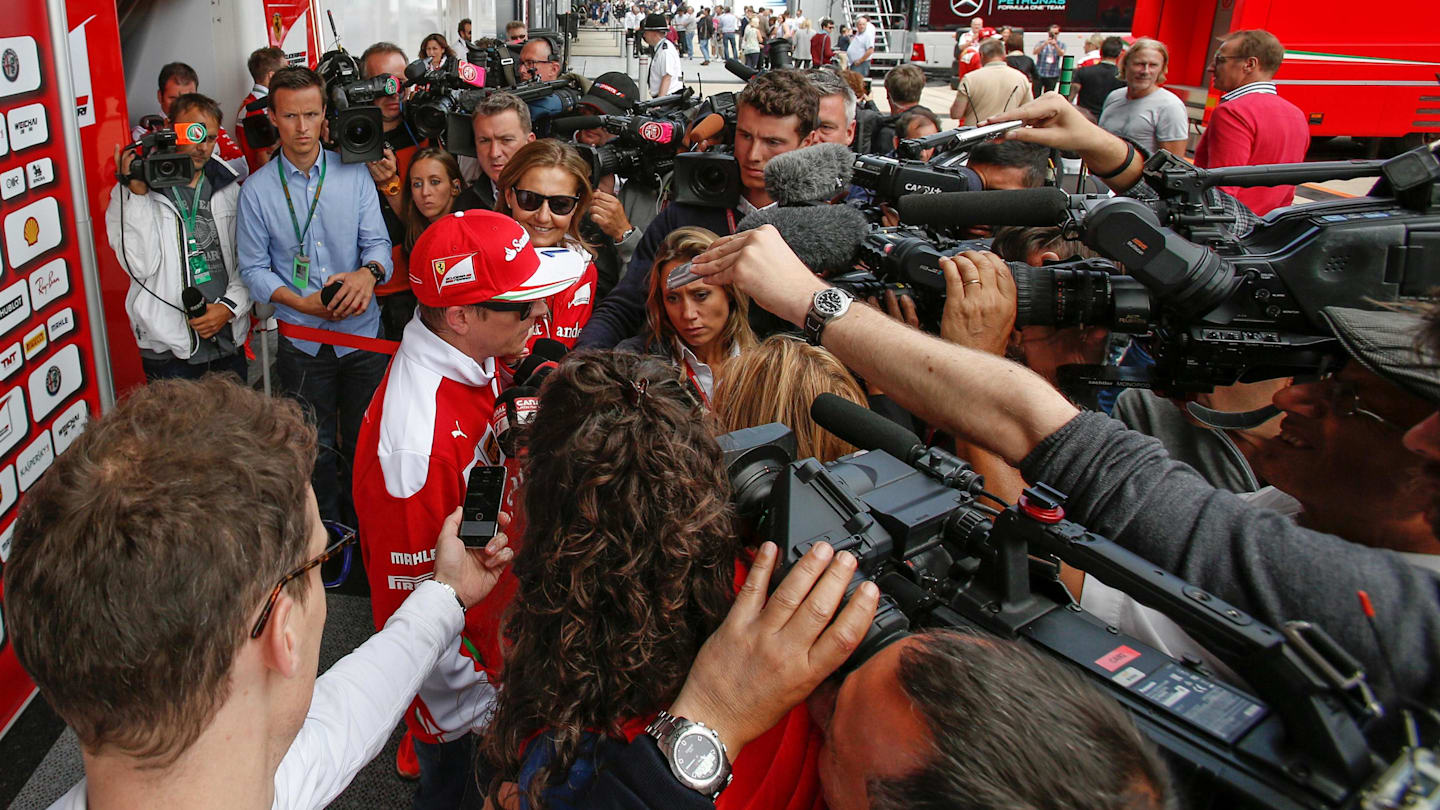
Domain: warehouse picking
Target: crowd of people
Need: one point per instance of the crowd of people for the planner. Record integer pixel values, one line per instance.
(623, 641)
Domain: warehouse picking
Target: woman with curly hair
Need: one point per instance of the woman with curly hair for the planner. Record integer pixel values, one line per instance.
(628, 563)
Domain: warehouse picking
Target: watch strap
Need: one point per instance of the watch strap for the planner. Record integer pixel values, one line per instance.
(377, 271)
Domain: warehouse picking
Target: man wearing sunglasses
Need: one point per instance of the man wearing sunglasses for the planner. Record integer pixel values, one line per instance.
(186, 658)
(481, 288)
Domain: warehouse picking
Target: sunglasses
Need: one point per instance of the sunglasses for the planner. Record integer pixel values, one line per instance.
(334, 564)
(560, 205)
(524, 308)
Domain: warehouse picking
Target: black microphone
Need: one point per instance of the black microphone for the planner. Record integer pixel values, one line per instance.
(545, 351)
(1026, 206)
(864, 428)
(194, 302)
(575, 123)
(516, 408)
(415, 71)
(741, 70)
(826, 238)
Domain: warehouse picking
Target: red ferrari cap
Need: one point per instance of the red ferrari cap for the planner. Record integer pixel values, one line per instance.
(473, 256)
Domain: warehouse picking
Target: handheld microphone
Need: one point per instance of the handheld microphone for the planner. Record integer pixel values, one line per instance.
(864, 428)
(826, 238)
(545, 352)
(513, 410)
(193, 301)
(1026, 206)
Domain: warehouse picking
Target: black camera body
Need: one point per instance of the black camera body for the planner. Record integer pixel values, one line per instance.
(710, 179)
(890, 179)
(357, 128)
(644, 148)
(912, 517)
(157, 164)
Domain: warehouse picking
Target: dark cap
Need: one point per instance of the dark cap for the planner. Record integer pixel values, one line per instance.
(654, 22)
(612, 94)
(1384, 342)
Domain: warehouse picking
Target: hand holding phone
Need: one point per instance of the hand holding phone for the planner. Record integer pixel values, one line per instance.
(484, 493)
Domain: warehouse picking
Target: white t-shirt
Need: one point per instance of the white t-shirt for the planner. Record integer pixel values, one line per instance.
(357, 702)
(1148, 120)
(666, 61)
(860, 43)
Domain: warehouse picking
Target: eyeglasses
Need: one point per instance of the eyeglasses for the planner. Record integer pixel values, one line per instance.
(336, 555)
(560, 205)
(1219, 58)
(525, 308)
(532, 64)
(1345, 401)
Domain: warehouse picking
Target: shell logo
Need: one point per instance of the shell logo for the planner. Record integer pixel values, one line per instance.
(31, 232)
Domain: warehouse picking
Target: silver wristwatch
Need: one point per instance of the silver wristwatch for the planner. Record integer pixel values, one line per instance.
(825, 306)
(696, 755)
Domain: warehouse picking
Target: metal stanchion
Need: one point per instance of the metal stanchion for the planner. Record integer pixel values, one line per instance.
(629, 49)
(643, 77)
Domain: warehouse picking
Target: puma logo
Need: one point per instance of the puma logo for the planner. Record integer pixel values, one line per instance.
(457, 433)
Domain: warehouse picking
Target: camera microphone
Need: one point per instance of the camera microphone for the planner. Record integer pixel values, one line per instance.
(741, 70)
(194, 302)
(824, 237)
(1026, 206)
(705, 128)
(544, 356)
(864, 428)
(575, 123)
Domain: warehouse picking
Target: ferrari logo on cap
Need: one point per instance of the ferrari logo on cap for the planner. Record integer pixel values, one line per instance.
(454, 270)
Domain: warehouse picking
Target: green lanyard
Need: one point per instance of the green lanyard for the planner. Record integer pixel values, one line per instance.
(314, 204)
(195, 257)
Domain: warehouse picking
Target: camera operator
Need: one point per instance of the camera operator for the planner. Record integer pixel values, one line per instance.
(538, 61)
(142, 223)
(428, 424)
(262, 64)
(776, 113)
(665, 66)
(516, 32)
(396, 301)
(196, 685)
(916, 122)
(1120, 483)
(502, 125)
(178, 79)
(292, 245)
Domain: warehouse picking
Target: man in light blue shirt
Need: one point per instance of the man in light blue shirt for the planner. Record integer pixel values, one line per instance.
(308, 222)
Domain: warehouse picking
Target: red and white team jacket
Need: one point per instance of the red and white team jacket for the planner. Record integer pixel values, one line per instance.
(430, 422)
(569, 310)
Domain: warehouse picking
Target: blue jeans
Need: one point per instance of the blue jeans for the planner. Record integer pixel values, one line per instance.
(730, 48)
(336, 391)
(705, 49)
(686, 44)
(863, 68)
(175, 368)
(447, 776)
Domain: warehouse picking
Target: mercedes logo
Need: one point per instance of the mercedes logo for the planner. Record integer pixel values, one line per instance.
(966, 8)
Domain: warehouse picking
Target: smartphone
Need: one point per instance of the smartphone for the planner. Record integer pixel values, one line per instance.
(484, 492)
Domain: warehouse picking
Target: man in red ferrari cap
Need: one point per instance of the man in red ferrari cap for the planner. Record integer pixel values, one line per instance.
(481, 287)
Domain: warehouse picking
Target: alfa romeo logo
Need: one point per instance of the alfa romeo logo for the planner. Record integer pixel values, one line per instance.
(52, 380)
(10, 64)
(194, 133)
(966, 8)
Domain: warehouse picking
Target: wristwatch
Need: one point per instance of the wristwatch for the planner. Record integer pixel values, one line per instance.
(391, 188)
(626, 235)
(377, 271)
(825, 306)
(696, 755)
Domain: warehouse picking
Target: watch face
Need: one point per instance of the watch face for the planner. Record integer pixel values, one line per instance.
(828, 302)
(697, 756)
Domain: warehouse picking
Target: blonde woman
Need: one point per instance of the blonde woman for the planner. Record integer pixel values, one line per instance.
(776, 382)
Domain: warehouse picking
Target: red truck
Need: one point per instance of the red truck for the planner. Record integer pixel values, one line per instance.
(1370, 71)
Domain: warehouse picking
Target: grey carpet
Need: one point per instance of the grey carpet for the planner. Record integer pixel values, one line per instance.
(347, 625)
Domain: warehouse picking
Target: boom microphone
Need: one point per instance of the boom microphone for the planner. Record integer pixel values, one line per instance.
(1026, 206)
(741, 70)
(824, 237)
(864, 428)
(815, 173)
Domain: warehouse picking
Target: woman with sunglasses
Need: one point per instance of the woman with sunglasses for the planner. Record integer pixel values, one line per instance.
(546, 188)
(697, 327)
(630, 520)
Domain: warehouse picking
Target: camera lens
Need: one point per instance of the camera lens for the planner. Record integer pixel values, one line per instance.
(709, 180)
(359, 133)
(430, 119)
(1061, 297)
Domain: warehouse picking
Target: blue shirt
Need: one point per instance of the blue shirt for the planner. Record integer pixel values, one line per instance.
(347, 232)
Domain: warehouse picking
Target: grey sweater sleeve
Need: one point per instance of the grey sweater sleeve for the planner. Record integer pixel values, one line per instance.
(1121, 484)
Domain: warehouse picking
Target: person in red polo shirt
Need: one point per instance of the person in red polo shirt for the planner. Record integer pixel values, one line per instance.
(481, 287)
(1252, 125)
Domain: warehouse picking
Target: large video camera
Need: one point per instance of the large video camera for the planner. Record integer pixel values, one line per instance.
(157, 163)
(913, 519)
(357, 128)
(1231, 308)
